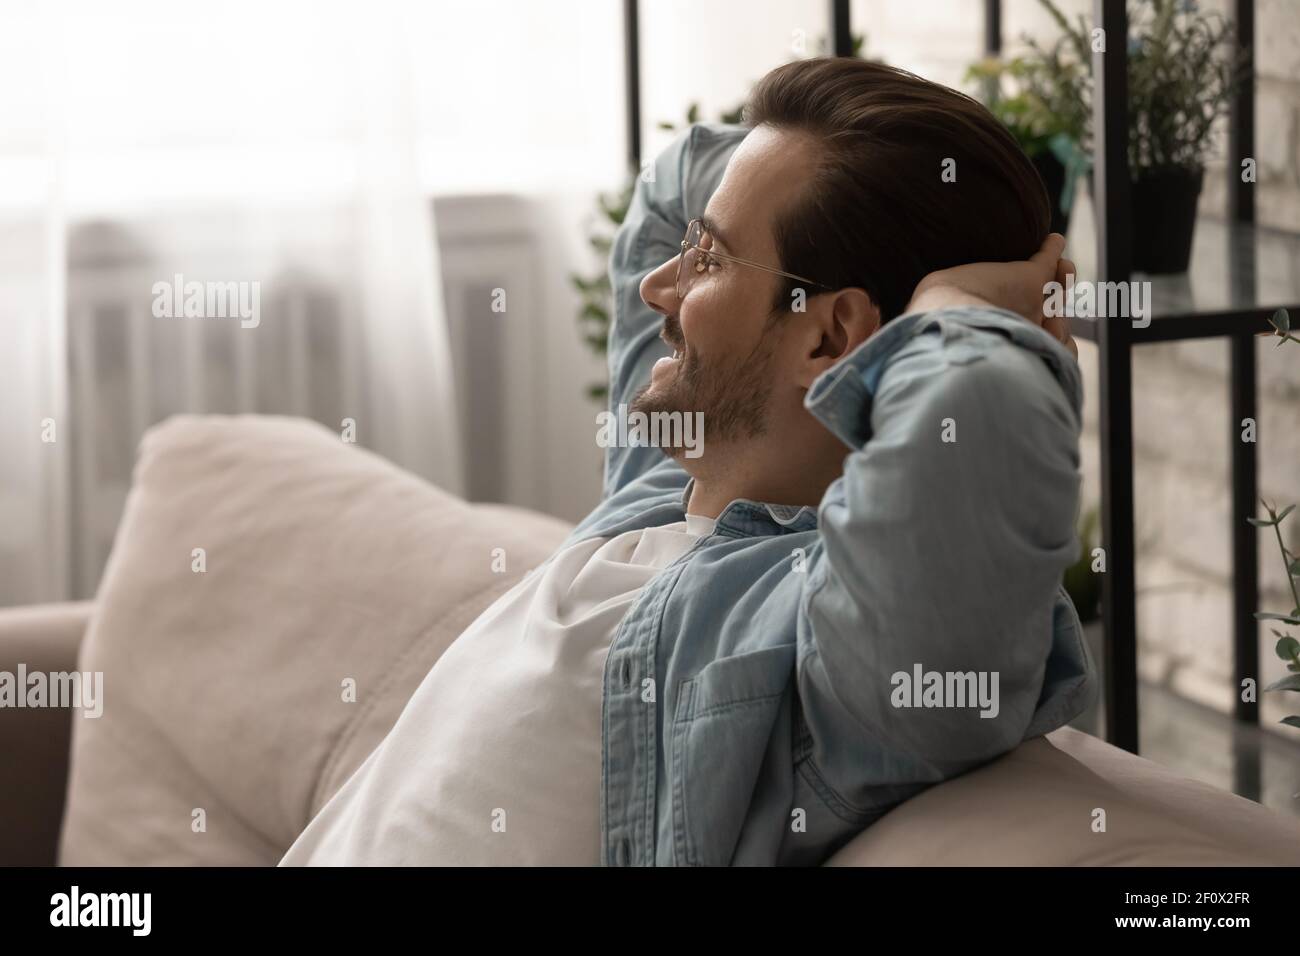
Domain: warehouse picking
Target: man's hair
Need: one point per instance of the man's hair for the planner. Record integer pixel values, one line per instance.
(878, 213)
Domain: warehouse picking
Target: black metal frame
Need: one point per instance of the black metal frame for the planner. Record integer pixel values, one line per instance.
(841, 32)
(1245, 491)
(632, 80)
(1115, 340)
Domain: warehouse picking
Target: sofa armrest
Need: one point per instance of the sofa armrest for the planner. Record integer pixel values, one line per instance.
(1038, 806)
(34, 741)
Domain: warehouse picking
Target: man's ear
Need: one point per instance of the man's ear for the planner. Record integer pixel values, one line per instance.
(836, 324)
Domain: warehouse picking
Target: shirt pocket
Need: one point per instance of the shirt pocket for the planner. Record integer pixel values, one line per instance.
(721, 727)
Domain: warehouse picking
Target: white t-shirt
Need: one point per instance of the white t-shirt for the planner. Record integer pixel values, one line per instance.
(496, 758)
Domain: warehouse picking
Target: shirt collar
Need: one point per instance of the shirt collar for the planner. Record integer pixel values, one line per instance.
(747, 517)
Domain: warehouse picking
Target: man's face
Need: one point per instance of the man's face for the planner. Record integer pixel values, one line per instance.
(730, 363)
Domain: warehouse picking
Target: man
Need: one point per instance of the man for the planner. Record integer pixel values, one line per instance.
(853, 593)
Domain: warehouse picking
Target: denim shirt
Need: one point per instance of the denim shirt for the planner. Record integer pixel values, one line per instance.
(753, 712)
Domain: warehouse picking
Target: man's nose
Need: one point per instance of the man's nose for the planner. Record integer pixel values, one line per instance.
(659, 288)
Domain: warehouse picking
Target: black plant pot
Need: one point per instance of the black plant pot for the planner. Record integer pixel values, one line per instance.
(1164, 218)
(1053, 172)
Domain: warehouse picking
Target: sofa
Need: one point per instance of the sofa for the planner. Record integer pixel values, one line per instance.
(259, 558)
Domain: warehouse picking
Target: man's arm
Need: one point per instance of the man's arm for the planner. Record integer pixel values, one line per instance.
(942, 551)
(667, 195)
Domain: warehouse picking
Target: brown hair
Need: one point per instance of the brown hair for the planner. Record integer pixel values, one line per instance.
(877, 214)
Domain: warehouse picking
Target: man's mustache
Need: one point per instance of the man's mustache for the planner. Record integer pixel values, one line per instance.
(672, 332)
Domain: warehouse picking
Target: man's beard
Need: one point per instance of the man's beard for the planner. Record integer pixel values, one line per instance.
(732, 394)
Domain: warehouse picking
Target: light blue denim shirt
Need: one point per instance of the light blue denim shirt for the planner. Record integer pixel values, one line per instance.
(749, 706)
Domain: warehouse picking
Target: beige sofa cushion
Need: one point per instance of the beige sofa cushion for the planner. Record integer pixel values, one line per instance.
(223, 689)
(1034, 807)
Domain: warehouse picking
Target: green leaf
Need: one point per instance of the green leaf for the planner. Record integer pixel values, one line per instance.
(1285, 683)
(667, 126)
(1290, 721)
(1284, 512)
(594, 284)
(1287, 647)
(1270, 616)
(1281, 321)
(1262, 522)
(1294, 568)
(615, 206)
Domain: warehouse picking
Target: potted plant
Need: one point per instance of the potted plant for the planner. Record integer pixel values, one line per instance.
(1036, 96)
(1183, 69)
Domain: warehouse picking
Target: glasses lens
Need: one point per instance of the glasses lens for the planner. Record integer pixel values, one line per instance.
(686, 264)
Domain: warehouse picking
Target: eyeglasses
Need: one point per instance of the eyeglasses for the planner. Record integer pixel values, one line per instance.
(695, 260)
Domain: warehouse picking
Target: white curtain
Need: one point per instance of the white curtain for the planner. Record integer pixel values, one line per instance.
(271, 145)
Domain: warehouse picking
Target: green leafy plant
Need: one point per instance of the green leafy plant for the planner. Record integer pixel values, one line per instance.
(1287, 647)
(1183, 68)
(594, 292)
(1036, 96)
(1281, 322)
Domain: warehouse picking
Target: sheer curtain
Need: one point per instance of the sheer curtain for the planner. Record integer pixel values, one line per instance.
(271, 149)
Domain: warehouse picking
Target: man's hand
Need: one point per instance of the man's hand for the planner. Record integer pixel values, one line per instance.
(1016, 286)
